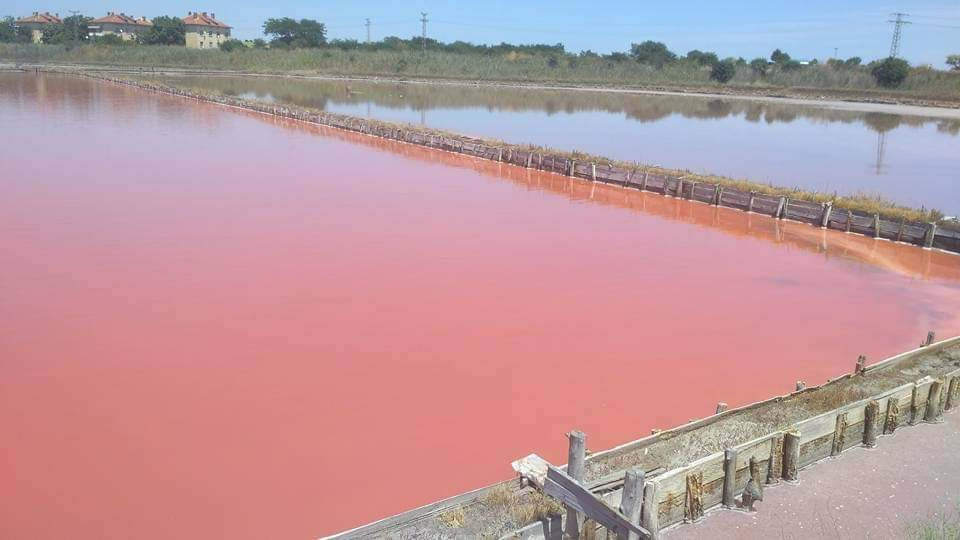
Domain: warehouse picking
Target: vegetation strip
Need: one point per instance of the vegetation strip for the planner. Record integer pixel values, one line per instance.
(862, 215)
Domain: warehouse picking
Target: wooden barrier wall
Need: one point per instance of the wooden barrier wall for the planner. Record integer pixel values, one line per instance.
(824, 215)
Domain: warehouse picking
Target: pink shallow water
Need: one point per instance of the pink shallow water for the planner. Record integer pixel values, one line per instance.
(213, 324)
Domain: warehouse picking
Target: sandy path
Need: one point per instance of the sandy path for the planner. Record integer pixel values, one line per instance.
(879, 493)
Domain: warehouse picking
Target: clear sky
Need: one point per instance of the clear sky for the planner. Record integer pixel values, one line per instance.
(808, 29)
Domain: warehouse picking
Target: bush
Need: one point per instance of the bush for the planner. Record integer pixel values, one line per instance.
(891, 72)
(723, 71)
(791, 65)
(652, 53)
(231, 45)
(759, 66)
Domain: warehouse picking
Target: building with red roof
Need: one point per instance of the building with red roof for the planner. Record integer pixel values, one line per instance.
(204, 31)
(119, 24)
(37, 22)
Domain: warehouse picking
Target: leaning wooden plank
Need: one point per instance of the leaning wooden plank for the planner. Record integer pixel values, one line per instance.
(571, 493)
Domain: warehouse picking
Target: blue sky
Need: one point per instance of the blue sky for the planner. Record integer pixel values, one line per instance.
(809, 29)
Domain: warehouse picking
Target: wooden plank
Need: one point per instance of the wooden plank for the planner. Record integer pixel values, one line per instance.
(572, 494)
(650, 510)
(632, 499)
(838, 434)
(729, 477)
(791, 455)
(693, 509)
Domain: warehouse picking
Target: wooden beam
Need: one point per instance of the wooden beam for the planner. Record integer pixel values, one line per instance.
(729, 477)
(568, 491)
(650, 512)
(839, 434)
(576, 463)
(791, 455)
(933, 412)
(870, 414)
(631, 501)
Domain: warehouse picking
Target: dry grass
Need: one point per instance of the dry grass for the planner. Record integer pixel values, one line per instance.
(522, 506)
(453, 518)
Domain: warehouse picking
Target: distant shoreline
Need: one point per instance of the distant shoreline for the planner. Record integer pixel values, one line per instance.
(843, 99)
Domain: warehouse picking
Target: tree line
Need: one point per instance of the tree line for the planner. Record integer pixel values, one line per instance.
(289, 33)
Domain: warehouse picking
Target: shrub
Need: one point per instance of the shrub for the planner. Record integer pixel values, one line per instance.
(653, 53)
(792, 65)
(891, 72)
(231, 45)
(723, 71)
(759, 66)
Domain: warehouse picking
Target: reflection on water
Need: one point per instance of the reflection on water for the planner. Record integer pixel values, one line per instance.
(209, 317)
(910, 159)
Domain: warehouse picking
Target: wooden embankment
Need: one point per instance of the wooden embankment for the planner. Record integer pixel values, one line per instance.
(678, 475)
(824, 215)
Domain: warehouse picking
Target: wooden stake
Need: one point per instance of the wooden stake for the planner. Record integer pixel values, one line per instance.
(931, 337)
(718, 195)
(801, 386)
(870, 424)
(931, 234)
(643, 184)
(791, 455)
(729, 477)
(849, 220)
(576, 463)
(952, 393)
(825, 214)
(933, 413)
(892, 418)
(721, 407)
(779, 213)
(753, 195)
(876, 225)
(631, 501)
(593, 172)
(775, 461)
(650, 513)
(573, 168)
(861, 367)
(839, 434)
(915, 406)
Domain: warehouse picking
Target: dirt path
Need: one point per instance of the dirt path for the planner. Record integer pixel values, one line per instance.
(878, 493)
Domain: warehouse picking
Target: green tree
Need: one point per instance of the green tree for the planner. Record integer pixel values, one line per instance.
(9, 33)
(652, 53)
(290, 33)
(853, 61)
(74, 28)
(166, 31)
(702, 58)
(891, 72)
(954, 61)
(723, 71)
(760, 66)
(779, 57)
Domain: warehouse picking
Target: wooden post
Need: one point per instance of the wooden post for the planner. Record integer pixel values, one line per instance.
(650, 513)
(952, 393)
(876, 225)
(576, 462)
(679, 193)
(779, 213)
(870, 424)
(593, 172)
(529, 159)
(791, 455)
(892, 418)
(839, 434)
(915, 406)
(729, 477)
(931, 234)
(825, 214)
(753, 195)
(540, 163)
(573, 168)
(499, 153)
(643, 184)
(933, 413)
(775, 461)
(718, 195)
(721, 407)
(631, 501)
(931, 337)
(849, 220)
(861, 367)
(693, 189)
(801, 385)
(900, 230)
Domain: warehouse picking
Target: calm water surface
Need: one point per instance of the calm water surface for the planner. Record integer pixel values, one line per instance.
(215, 324)
(910, 159)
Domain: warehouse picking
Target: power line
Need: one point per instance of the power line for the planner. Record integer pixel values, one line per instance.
(423, 19)
(897, 29)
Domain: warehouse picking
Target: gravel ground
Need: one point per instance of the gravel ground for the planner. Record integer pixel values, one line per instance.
(885, 492)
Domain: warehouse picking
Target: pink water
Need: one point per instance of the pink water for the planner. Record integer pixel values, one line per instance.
(213, 324)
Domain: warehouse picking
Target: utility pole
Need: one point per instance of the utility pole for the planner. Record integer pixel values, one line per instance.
(835, 51)
(76, 25)
(897, 26)
(423, 40)
(368, 31)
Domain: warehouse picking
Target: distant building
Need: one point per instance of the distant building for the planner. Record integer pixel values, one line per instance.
(37, 22)
(204, 31)
(119, 24)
